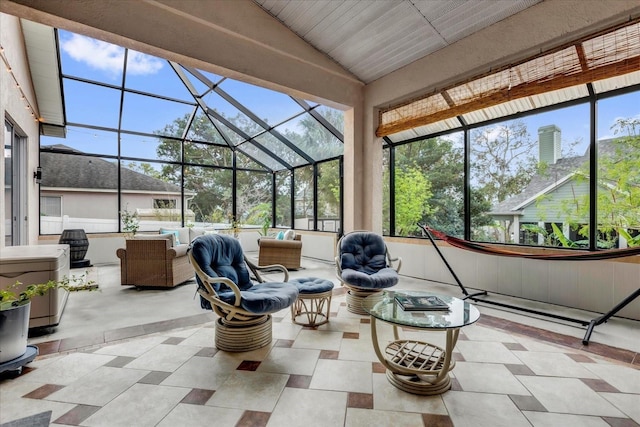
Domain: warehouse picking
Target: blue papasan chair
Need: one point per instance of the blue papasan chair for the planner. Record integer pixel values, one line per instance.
(364, 267)
(225, 285)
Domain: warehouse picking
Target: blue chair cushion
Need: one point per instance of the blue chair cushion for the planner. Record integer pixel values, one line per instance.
(364, 252)
(384, 278)
(264, 298)
(220, 255)
(312, 285)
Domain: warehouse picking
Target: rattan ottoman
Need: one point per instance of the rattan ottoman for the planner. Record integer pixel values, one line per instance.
(314, 301)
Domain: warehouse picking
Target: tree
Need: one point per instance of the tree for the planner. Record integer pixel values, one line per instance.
(618, 196)
(440, 161)
(503, 160)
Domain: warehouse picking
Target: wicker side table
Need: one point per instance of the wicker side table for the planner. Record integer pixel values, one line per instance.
(314, 301)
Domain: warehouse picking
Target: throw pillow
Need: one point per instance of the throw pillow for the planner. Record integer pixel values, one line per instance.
(280, 236)
(174, 232)
(289, 235)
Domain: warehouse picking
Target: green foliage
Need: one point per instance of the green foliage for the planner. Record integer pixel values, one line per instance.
(130, 222)
(413, 192)
(11, 297)
(618, 194)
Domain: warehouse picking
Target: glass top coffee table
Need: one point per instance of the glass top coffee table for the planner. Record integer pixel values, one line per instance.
(417, 366)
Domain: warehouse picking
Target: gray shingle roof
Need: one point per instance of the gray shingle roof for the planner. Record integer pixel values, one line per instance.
(555, 173)
(79, 171)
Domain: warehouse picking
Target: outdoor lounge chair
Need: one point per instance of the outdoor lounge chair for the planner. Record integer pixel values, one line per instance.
(225, 286)
(364, 267)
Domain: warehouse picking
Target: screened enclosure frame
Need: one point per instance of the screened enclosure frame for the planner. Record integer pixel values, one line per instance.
(592, 100)
(259, 158)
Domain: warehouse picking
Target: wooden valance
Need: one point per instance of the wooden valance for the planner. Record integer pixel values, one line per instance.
(609, 54)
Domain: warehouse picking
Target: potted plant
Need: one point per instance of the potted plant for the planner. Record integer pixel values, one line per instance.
(15, 307)
(130, 222)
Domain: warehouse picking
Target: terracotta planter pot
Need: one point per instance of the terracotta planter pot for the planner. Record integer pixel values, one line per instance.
(14, 330)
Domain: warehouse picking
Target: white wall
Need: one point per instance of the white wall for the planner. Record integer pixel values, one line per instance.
(12, 107)
(589, 285)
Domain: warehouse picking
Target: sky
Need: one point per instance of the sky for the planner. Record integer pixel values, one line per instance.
(99, 61)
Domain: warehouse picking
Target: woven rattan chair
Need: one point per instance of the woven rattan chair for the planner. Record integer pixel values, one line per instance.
(364, 267)
(284, 252)
(152, 261)
(225, 286)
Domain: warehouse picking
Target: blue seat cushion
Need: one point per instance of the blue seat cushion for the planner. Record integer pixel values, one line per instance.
(384, 278)
(264, 298)
(312, 285)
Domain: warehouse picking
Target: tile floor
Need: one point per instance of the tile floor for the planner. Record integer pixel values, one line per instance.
(150, 361)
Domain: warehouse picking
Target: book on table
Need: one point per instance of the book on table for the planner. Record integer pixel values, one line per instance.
(421, 303)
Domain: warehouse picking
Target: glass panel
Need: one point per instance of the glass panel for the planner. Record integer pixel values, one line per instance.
(277, 147)
(269, 106)
(200, 87)
(8, 183)
(87, 188)
(312, 138)
(202, 129)
(147, 73)
(141, 113)
(143, 184)
(329, 196)
(333, 116)
(231, 113)
(91, 104)
(82, 56)
(526, 183)
(260, 156)
(210, 195)
(303, 204)
(245, 162)
(231, 135)
(618, 171)
(386, 193)
(149, 147)
(206, 154)
(283, 199)
(85, 140)
(253, 203)
(429, 176)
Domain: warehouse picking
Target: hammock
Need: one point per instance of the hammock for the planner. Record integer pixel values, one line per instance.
(490, 250)
(485, 249)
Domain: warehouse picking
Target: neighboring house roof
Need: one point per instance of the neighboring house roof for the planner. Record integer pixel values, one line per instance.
(554, 175)
(93, 173)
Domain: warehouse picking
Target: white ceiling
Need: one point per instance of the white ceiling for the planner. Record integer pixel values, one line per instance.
(371, 38)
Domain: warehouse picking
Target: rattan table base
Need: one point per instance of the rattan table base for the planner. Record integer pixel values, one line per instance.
(237, 338)
(311, 309)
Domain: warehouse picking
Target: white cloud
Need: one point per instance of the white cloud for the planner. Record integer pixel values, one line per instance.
(108, 57)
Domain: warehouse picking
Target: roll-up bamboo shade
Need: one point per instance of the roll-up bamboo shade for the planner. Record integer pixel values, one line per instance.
(608, 54)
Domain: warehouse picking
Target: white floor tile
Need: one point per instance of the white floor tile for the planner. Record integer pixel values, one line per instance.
(626, 403)
(549, 419)
(569, 396)
(68, 368)
(141, 405)
(164, 357)
(554, 364)
(483, 410)
(207, 373)
(488, 378)
(625, 378)
(387, 397)
(309, 408)
(132, 348)
(366, 418)
(255, 391)
(342, 375)
(198, 415)
(297, 361)
(98, 387)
